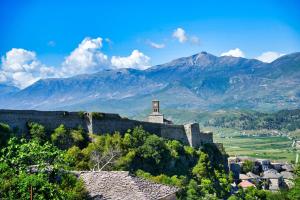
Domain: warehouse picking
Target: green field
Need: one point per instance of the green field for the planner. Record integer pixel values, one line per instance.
(271, 147)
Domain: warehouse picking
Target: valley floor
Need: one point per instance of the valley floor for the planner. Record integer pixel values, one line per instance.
(277, 148)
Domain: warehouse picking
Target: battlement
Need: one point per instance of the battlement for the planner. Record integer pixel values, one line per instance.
(102, 123)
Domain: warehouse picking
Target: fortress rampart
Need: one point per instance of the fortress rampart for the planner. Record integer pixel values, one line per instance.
(101, 123)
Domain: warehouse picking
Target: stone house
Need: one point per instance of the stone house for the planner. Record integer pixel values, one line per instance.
(277, 166)
(273, 179)
(288, 178)
(287, 167)
(254, 178)
(264, 163)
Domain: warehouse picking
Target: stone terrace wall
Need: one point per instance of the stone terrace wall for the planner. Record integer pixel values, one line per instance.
(102, 123)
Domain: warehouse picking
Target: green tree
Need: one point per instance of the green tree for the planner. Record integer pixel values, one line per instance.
(193, 191)
(20, 154)
(76, 159)
(30, 164)
(203, 168)
(294, 193)
(213, 181)
(5, 134)
(79, 137)
(247, 166)
(153, 155)
(37, 131)
(62, 138)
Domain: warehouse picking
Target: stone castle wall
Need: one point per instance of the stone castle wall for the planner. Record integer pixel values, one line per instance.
(51, 120)
(102, 123)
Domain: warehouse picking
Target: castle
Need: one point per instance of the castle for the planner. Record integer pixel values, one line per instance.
(101, 123)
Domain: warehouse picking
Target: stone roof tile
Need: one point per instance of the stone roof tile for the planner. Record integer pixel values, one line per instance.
(122, 185)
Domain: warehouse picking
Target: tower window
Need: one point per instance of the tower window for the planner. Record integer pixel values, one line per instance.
(155, 106)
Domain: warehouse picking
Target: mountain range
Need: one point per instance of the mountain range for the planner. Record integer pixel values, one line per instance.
(202, 82)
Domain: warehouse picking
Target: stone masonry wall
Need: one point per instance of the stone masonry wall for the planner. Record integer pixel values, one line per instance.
(51, 120)
(102, 123)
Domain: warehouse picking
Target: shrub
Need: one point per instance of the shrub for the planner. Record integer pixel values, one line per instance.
(62, 138)
(5, 134)
(16, 180)
(37, 132)
(97, 115)
(80, 137)
(81, 114)
(247, 166)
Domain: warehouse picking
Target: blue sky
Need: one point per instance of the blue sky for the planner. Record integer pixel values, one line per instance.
(54, 29)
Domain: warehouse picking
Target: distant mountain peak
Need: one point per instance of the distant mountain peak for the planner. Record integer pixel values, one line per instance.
(202, 54)
(202, 81)
(206, 60)
(201, 59)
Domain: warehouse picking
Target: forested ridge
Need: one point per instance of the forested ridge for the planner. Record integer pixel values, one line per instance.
(288, 120)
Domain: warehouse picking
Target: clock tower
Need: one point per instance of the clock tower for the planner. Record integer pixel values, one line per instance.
(156, 116)
(155, 106)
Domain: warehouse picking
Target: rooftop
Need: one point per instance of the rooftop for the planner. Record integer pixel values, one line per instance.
(245, 184)
(288, 167)
(271, 174)
(244, 177)
(124, 186)
(287, 175)
(252, 175)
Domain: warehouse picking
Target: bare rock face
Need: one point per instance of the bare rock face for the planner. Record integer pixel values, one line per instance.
(122, 185)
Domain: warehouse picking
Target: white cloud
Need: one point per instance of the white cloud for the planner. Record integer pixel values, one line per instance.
(21, 68)
(3, 77)
(136, 60)
(234, 53)
(182, 37)
(179, 33)
(86, 58)
(194, 40)
(157, 45)
(19, 60)
(269, 56)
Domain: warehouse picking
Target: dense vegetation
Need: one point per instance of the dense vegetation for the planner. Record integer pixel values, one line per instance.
(35, 166)
(41, 162)
(198, 172)
(282, 120)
